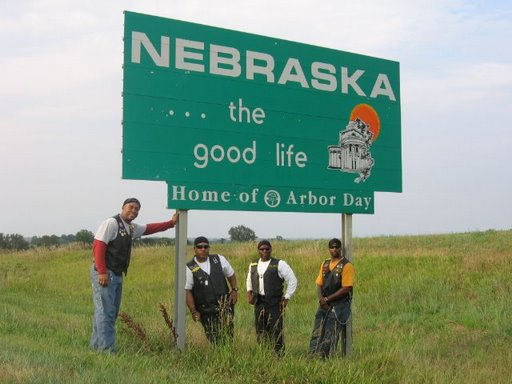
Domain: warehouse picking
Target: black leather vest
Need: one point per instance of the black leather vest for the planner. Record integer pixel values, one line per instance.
(274, 284)
(332, 279)
(208, 289)
(119, 250)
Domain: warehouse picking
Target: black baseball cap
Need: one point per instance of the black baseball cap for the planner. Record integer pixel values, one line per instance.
(335, 243)
(131, 200)
(201, 240)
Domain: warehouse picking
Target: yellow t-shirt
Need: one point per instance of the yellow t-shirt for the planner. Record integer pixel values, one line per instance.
(347, 275)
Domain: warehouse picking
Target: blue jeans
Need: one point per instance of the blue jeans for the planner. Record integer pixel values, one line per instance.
(329, 324)
(107, 301)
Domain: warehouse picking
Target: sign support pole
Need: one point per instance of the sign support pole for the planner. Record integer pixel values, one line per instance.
(346, 228)
(179, 278)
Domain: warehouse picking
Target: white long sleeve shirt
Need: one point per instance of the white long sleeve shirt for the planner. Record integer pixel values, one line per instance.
(283, 270)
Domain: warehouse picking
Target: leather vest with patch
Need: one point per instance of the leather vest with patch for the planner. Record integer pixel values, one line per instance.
(332, 279)
(208, 289)
(119, 250)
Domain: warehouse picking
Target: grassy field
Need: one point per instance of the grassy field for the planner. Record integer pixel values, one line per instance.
(427, 309)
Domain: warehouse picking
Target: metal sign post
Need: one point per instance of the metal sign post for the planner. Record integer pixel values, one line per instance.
(179, 278)
(346, 228)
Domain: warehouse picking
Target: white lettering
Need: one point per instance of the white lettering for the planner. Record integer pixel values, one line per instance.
(180, 193)
(351, 81)
(325, 72)
(267, 69)
(225, 196)
(210, 196)
(225, 57)
(232, 109)
(311, 199)
(193, 195)
(258, 114)
(220, 156)
(243, 197)
(221, 60)
(217, 153)
(236, 151)
(287, 75)
(250, 152)
(349, 200)
(140, 39)
(383, 87)
(183, 55)
(291, 199)
(254, 194)
(286, 158)
(244, 113)
(201, 154)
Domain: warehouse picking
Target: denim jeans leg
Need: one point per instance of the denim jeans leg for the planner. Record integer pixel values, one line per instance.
(318, 332)
(107, 301)
(335, 323)
(342, 312)
(331, 334)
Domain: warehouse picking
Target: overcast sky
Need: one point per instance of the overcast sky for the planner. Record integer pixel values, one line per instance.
(60, 111)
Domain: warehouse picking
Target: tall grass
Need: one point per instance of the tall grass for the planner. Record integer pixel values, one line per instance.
(427, 309)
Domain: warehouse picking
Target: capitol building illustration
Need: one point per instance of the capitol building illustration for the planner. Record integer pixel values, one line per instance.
(353, 152)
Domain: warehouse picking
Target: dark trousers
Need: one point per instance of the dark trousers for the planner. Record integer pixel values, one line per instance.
(329, 325)
(219, 326)
(269, 323)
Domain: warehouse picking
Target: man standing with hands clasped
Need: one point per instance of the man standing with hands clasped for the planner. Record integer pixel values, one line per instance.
(207, 294)
(265, 287)
(334, 290)
(111, 250)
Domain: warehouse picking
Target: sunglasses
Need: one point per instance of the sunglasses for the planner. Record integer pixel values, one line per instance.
(202, 246)
(264, 249)
(334, 247)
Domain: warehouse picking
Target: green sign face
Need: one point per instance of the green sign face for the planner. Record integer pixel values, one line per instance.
(231, 111)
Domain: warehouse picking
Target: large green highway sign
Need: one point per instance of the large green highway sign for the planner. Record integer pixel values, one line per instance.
(232, 120)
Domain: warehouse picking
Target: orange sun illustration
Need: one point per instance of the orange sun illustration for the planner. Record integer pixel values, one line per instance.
(366, 113)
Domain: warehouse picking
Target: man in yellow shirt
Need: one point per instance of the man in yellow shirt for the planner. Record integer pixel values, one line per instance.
(334, 286)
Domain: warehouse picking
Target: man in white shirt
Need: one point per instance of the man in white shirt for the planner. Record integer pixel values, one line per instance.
(111, 250)
(266, 280)
(207, 293)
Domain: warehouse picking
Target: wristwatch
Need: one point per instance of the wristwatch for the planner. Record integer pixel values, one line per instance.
(234, 289)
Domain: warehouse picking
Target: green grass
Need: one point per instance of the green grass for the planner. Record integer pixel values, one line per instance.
(427, 309)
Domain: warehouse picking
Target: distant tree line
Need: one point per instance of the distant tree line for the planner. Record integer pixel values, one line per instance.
(16, 242)
(153, 241)
(13, 242)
